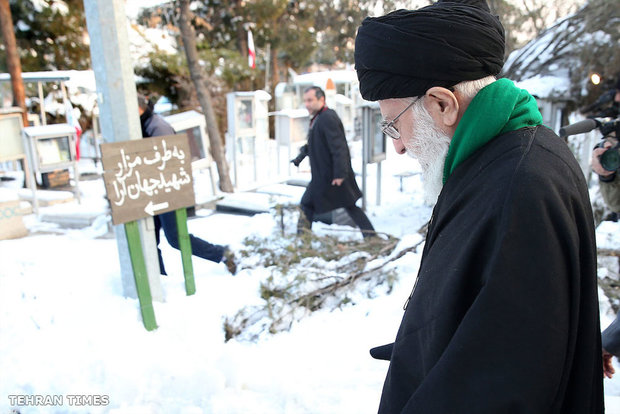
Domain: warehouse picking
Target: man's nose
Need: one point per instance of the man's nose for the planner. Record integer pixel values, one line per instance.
(399, 146)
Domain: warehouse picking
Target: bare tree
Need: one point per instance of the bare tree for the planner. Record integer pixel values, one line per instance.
(204, 96)
(573, 47)
(12, 57)
(542, 13)
(537, 15)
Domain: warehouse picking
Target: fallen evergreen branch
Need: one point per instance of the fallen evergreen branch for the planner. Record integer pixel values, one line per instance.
(310, 273)
(608, 252)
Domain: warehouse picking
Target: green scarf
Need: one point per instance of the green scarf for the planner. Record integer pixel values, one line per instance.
(496, 109)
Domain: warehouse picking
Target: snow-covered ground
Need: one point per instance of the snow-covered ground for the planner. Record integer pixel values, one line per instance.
(66, 331)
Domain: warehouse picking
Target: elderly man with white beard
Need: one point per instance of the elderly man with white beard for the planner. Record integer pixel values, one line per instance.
(503, 316)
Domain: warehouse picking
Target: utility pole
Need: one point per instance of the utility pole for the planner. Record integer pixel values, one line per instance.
(12, 59)
(119, 119)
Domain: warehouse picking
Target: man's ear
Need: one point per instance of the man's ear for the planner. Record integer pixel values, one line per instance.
(443, 106)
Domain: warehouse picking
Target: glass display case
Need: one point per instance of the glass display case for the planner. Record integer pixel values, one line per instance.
(291, 127)
(53, 151)
(247, 139)
(50, 148)
(11, 144)
(376, 146)
(12, 149)
(373, 145)
(193, 124)
(243, 115)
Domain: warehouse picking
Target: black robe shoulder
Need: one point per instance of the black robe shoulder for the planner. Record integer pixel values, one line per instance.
(504, 317)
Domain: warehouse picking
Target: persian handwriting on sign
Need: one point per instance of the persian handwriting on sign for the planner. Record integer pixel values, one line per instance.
(144, 177)
(126, 165)
(129, 183)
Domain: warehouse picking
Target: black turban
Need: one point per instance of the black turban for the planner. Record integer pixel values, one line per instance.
(406, 52)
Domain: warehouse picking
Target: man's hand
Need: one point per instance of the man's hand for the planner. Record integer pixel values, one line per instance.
(596, 162)
(608, 368)
(337, 181)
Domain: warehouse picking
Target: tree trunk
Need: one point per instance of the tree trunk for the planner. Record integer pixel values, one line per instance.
(242, 37)
(12, 59)
(275, 68)
(204, 96)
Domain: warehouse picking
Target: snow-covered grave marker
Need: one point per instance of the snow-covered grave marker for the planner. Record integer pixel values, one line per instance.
(145, 177)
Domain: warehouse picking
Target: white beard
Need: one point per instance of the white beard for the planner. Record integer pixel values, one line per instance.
(429, 145)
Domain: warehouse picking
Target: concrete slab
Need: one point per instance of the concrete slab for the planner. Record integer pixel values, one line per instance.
(292, 191)
(46, 197)
(251, 203)
(301, 182)
(72, 215)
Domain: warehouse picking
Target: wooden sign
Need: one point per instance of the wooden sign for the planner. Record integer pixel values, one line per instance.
(149, 176)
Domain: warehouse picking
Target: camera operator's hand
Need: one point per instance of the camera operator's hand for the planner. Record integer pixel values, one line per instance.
(596, 160)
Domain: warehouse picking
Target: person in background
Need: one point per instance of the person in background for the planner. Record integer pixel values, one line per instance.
(503, 316)
(333, 182)
(609, 185)
(154, 125)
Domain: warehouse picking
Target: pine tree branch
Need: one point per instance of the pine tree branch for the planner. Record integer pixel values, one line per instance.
(333, 287)
(311, 272)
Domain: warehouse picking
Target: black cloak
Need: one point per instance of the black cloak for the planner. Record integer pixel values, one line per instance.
(329, 158)
(154, 125)
(504, 316)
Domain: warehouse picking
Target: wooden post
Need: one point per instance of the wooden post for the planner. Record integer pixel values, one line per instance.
(186, 251)
(140, 275)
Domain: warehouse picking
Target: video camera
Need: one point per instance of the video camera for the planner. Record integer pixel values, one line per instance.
(604, 106)
(610, 159)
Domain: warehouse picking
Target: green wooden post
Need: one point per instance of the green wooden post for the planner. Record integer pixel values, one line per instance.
(140, 275)
(186, 251)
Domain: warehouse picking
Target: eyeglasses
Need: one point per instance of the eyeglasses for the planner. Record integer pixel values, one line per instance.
(387, 127)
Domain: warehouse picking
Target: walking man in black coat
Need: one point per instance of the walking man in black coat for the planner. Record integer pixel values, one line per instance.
(333, 182)
(503, 316)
